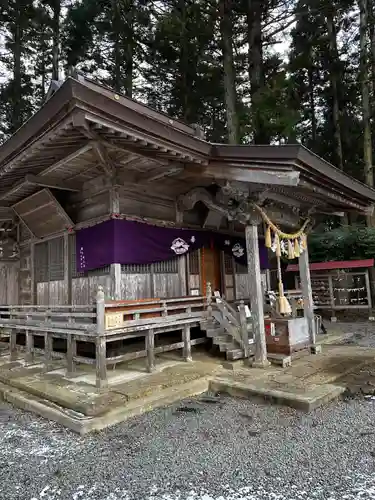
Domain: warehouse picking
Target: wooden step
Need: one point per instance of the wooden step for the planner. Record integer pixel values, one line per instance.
(222, 339)
(215, 332)
(234, 354)
(229, 346)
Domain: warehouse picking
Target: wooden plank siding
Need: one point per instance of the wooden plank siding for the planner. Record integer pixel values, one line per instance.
(9, 279)
(163, 279)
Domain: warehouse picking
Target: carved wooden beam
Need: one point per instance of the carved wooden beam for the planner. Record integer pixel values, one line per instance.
(256, 175)
(159, 173)
(243, 212)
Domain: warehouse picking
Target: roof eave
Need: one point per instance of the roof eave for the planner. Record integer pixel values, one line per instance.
(48, 114)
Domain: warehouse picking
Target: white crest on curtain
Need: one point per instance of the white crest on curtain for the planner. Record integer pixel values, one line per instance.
(238, 250)
(179, 246)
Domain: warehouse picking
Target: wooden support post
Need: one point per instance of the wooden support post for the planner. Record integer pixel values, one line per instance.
(71, 350)
(256, 296)
(331, 298)
(244, 332)
(67, 269)
(33, 295)
(115, 274)
(150, 349)
(187, 340)
(29, 355)
(13, 345)
(308, 305)
(115, 269)
(48, 348)
(101, 363)
(209, 301)
(368, 292)
(100, 343)
(71, 353)
(12, 340)
(182, 275)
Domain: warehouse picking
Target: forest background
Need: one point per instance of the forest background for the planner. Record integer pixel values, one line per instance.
(246, 71)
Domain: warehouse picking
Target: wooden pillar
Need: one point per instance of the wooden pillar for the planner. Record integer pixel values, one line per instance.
(150, 349)
(256, 296)
(67, 269)
(244, 332)
(182, 274)
(33, 297)
(115, 273)
(100, 342)
(308, 305)
(115, 268)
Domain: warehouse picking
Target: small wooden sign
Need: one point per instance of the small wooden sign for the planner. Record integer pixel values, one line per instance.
(113, 320)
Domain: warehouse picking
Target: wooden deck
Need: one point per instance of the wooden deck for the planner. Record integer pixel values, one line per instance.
(100, 324)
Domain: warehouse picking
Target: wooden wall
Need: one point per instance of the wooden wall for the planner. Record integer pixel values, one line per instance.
(9, 279)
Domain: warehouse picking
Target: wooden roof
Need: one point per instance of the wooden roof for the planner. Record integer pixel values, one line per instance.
(85, 128)
(333, 265)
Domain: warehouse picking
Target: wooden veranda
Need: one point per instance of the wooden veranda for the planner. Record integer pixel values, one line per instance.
(89, 156)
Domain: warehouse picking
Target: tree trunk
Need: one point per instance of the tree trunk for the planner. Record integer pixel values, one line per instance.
(184, 62)
(256, 73)
(371, 25)
(17, 118)
(56, 39)
(366, 111)
(334, 76)
(312, 106)
(229, 72)
(117, 39)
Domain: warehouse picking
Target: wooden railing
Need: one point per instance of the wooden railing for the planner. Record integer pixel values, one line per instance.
(235, 323)
(101, 323)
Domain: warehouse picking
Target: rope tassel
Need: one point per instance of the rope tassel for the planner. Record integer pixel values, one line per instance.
(267, 238)
(291, 252)
(277, 245)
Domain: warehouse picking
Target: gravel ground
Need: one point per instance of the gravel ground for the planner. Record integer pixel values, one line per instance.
(197, 450)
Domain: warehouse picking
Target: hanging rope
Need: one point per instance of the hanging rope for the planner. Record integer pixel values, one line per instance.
(276, 230)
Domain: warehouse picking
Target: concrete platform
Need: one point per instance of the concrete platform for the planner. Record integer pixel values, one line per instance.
(75, 402)
(310, 382)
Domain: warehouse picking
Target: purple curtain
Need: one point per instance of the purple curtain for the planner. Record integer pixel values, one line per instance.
(129, 242)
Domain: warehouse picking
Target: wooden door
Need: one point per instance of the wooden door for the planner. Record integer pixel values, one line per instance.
(210, 266)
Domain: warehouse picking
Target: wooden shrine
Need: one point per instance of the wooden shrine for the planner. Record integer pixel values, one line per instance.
(93, 162)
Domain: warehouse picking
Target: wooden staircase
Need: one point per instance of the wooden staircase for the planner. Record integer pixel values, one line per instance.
(230, 330)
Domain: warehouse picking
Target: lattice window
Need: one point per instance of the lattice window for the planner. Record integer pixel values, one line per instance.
(136, 268)
(194, 262)
(56, 259)
(41, 262)
(228, 264)
(166, 266)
